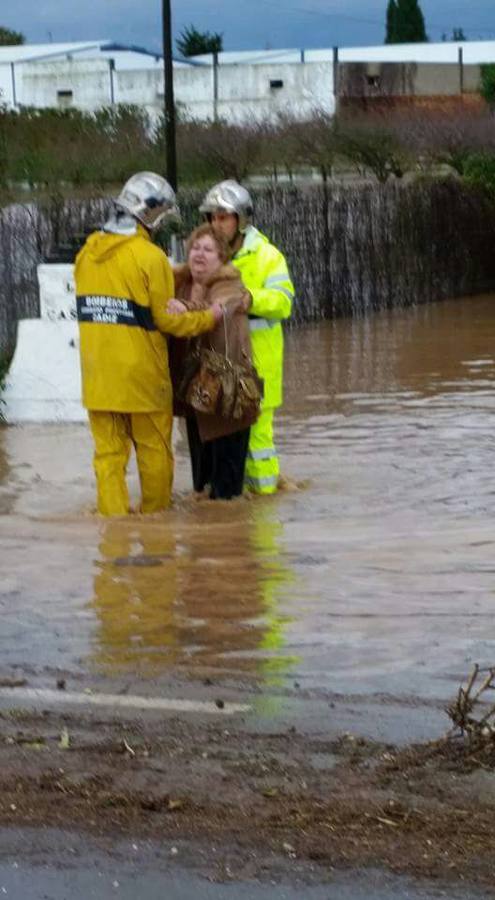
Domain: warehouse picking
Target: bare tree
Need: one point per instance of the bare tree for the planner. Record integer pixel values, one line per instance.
(372, 147)
(232, 150)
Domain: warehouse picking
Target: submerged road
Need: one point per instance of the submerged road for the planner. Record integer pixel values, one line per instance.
(372, 581)
(356, 601)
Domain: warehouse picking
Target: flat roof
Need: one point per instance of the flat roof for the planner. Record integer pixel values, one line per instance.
(444, 51)
(31, 52)
(131, 57)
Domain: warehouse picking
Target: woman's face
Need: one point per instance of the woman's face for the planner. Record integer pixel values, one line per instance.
(204, 258)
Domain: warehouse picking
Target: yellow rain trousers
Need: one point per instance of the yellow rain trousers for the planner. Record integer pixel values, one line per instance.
(265, 274)
(123, 285)
(114, 434)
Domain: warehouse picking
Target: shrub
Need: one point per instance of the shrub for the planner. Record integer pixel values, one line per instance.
(487, 86)
(480, 171)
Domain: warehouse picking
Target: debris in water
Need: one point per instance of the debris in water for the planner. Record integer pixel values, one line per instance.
(12, 682)
(469, 711)
(64, 742)
(290, 484)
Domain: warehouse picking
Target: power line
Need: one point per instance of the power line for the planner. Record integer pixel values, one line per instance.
(315, 12)
(336, 15)
(308, 11)
(326, 15)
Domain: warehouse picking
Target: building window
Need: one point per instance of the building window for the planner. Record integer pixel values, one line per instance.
(276, 83)
(64, 99)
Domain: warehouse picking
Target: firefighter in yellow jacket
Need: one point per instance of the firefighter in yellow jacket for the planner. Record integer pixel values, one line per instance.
(264, 272)
(123, 285)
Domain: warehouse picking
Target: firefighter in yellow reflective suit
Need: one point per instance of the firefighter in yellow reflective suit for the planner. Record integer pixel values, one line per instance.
(264, 272)
(123, 285)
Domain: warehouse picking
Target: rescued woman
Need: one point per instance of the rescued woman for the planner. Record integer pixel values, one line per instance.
(217, 445)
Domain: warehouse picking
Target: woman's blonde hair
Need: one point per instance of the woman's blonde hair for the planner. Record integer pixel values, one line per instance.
(206, 230)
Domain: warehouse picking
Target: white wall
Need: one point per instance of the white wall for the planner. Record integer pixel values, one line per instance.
(44, 380)
(57, 291)
(243, 90)
(89, 81)
(6, 84)
(243, 78)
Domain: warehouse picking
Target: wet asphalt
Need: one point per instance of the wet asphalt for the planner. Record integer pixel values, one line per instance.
(57, 865)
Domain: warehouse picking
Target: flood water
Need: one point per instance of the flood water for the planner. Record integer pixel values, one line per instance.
(375, 576)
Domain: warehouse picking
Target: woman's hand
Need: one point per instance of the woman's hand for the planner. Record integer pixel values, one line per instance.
(175, 307)
(239, 304)
(218, 311)
(247, 301)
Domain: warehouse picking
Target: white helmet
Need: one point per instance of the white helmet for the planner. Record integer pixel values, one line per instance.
(149, 198)
(229, 196)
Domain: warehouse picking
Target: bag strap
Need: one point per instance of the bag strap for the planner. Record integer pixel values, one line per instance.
(224, 316)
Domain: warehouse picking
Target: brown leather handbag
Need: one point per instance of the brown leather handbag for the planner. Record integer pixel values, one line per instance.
(213, 384)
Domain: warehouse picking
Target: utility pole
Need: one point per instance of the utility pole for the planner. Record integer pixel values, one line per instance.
(215, 85)
(169, 109)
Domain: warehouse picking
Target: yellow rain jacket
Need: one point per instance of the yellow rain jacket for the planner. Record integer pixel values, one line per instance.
(123, 285)
(264, 273)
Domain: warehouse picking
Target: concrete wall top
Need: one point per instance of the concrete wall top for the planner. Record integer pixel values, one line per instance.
(253, 57)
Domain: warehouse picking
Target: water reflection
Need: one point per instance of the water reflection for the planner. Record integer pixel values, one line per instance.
(134, 592)
(391, 420)
(421, 351)
(203, 591)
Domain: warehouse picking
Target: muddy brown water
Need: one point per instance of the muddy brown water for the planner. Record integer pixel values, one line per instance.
(375, 577)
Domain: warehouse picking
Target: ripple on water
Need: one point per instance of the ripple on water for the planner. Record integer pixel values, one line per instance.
(382, 568)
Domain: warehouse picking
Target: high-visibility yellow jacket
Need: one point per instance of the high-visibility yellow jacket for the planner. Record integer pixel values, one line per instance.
(264, 273)
(123, 285)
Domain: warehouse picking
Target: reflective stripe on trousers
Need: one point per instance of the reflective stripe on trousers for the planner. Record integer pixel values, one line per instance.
(114, 434)
(262, 466)
(259, 324)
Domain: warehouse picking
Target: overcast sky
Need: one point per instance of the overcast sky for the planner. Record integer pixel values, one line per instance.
(253, 24)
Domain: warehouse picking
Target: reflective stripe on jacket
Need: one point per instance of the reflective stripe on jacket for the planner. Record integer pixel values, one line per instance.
(264, 273)
(123, 285)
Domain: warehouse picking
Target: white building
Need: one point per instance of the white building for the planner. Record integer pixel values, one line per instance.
(242, 85)
(91, 75)
(86, 75)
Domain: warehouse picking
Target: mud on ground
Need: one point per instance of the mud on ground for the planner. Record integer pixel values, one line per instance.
(426, 810)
